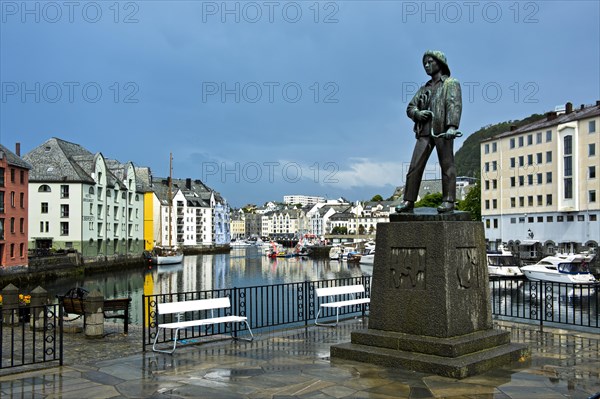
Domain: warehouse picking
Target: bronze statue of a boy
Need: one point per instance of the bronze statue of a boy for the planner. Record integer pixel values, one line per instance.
(436, 109)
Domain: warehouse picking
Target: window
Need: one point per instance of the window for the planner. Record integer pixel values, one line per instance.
(512, 143)
(592, 149)
(592, 172)
(530, 200)
(47, 224)
(12, 250)
(486, 148)
(12, 175)
(21, 250)
(494, 146)
(494, 186)
(560, 218)
(22, 176)
(1, 201)
(568, 189)
(1, 177)
(487, 204)
(548, 177)
(520, 141)
(592, 126)
(521, 201)
(64, 211)
(12, 225)
(540, 178)
(44, 188)
(548, 156)
(513, 220)
(91, 190)
(64, 191)
(580, 218)
(530, 180)
(521, 180)
(513, 202)
(529, 139)
(538, 137)
(530, 159)
(22, 200)
(548, 199)
(530, 219)
(64, 228)
(22, 225)
(570, 218)
(540, 200)
(593, 217)
(487, 184)
(512, 162)
(41, 227)
(495, 203)
(549, 219)
(540, 219)
(539, 157)
(494, 165)
(592, 196)
(548, 136)
(487, 223)
(512, 181)
(521, 161)
(495, 223)
(12, 199)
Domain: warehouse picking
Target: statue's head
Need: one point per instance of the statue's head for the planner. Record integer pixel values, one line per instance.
(440, 58)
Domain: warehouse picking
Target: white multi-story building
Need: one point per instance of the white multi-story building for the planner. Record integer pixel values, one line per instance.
(540, 183)
(83, 201)
(302, 199)
(199, 216)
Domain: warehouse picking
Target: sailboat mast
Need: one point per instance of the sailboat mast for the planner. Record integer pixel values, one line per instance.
(170, 193)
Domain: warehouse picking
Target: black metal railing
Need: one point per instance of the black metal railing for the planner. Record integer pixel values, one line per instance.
(31, 335)
(266, 306)
(546, 302)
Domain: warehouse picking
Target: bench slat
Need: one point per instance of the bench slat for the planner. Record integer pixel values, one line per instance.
(332, 291)
(346, 303)
(190, 306)
(203, 322)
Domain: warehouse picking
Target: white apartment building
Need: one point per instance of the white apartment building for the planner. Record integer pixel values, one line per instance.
(302, 199)
(540, 183)
(83, 201)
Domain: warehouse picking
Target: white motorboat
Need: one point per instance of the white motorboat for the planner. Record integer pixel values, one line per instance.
(503, 263)
(368, 257)
(573, 269)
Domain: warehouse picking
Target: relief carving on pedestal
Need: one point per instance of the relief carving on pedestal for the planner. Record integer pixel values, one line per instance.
(466, 267)
(408, 268)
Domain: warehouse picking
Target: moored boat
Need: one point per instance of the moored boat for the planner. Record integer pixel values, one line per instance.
(502, 264)
(573, 269)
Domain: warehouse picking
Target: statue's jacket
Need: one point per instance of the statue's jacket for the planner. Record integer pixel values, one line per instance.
(444, 99)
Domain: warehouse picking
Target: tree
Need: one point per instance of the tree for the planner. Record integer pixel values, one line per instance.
(472, 202)
(339, 230)
(430, 200)
(377, 198)
(361, 229)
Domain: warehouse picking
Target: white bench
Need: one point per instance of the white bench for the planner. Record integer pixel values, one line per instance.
(193, 306)
(333, 293)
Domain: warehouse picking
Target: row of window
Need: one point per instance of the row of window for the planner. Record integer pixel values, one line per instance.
(12, 229)
(13, 197)
(493, 222)
(532, 179)
(13, 174)
(11, 253)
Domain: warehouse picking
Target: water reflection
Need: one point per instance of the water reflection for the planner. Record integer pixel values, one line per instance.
(243, 267)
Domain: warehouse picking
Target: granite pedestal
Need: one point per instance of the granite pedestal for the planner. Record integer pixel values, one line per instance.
(430, 304)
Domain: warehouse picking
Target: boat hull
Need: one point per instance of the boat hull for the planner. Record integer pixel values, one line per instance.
(168, 260)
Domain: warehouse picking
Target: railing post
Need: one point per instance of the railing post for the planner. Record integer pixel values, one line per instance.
(10, 305)
(306, 302)
(143, 323)
(542, 307)
(39, 298)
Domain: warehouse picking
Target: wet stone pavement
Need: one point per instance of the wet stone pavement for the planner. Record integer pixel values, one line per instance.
(296, 364)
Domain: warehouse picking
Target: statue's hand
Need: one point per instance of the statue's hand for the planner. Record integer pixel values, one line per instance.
(422, 116)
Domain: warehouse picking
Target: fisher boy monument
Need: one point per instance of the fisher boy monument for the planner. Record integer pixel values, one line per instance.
(430, 305)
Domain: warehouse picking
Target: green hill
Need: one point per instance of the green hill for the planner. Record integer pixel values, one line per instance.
(468, 157)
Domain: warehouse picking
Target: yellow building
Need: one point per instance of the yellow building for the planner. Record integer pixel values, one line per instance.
(540, 185)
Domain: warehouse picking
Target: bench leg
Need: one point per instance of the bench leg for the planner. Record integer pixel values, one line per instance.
(165, 351)
(337, 319)
(243, 339)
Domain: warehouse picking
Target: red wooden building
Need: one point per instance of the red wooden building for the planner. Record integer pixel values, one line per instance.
(14, 181)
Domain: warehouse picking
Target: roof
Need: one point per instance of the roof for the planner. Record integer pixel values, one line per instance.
(552, 119)
(54, 161)
(13, 159)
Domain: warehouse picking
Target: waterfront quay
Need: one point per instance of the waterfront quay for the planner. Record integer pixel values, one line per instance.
(295, 363)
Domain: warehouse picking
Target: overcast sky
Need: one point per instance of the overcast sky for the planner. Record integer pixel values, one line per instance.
(268, 98)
